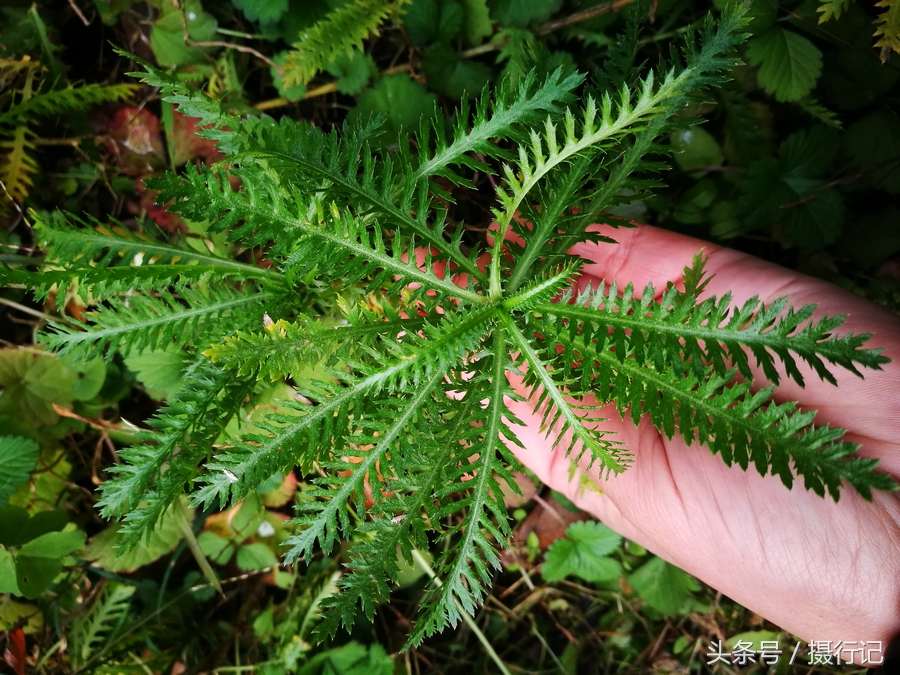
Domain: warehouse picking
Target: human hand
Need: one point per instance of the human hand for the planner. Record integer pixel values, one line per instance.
(818, 569)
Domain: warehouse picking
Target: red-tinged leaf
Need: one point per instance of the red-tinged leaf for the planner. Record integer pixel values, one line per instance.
(135, 139)
(188, 144)
(166, 220)
(14, 655)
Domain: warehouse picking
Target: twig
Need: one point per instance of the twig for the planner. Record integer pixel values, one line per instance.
(101, 425)
(227, 45)
(78, 12)
(578, 17)
(27, 310)
(329, 88)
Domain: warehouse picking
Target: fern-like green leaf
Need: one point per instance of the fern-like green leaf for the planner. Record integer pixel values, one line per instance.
(146, 322)
(338, 34)
(60, 101)
(156, 471)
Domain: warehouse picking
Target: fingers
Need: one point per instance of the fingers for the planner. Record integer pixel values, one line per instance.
(869, 409)
(818, 569)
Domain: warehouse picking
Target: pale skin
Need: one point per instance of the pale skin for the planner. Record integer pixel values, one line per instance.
(818, 569)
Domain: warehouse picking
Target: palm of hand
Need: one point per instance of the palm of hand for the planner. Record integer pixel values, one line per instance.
(820, 570)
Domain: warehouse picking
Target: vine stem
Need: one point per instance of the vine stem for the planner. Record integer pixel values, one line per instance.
(470, 622)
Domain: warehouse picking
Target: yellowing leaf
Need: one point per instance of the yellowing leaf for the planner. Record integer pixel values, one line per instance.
(888, 28)
(832, 9)
(18, 166)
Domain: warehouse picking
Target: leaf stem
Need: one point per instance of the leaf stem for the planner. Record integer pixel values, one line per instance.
(470, 622)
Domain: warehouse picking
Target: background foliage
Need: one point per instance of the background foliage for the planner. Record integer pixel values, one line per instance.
(798, 162)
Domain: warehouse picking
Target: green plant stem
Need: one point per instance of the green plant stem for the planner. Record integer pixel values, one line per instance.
(192, 543)
(470, 622)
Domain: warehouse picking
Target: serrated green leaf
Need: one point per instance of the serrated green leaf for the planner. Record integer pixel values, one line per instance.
(401, 101)
(451, 75)
(832, 9)
(888, 28)
(160, 371)
(431, 21)
(476, 21)
(167, 37)
(789, 64)
(874, 146)
(265, 11)
(663, 586)
(17, 458)
(524, 13)
(353, 72)
(792, 192)
(583, 553)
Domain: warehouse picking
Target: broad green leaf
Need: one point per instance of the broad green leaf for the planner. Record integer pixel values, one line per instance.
(8, 582)
(400, 100)
(873, 239)
(696, 149)
(256, 556)
(523, 13)
(217, 548)
(789, 64)
(430, 21)
(13, 522)
(351, 659)
(264, 11)
(34, 575)
(583, 553)
(89, 378)
(17, 458)
(664, 587)
(30, 383)
(167, 37)
(792, 191)
(40, 560)
(103, 549)
(452, 76)
(476, 21)
(874, 147)
(352, 72)
(54, 544)
(159, 371)
(16, 528)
